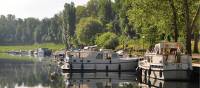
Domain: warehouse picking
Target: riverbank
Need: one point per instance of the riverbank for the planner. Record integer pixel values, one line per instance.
(5, 56)
(52, 46)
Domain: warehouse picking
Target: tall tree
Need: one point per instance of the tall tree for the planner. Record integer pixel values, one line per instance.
(175, 26)
(187, 27)
(121, 10)
(81, 12)
(69, 22)
(93, 8)
(195, 30)
(105, 11)
(150, 13)
(19, 31)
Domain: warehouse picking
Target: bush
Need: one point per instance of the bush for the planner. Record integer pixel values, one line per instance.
(107, 40)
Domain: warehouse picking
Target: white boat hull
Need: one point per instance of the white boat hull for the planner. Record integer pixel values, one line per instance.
(110, 67)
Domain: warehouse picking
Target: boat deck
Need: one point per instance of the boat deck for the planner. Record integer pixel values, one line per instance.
(195, 65)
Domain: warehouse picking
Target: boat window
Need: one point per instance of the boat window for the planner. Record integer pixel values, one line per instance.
(88, 61)
(114, 55)
(74, 60)
(99, 56)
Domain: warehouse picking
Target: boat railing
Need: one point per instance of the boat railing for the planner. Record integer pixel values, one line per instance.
(82, 54)
(150, 54)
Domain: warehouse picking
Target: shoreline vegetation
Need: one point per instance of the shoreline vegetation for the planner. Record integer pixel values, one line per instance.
(54, 47)
(6, 48)
(5, 56)
(131, 44)
(130, 48)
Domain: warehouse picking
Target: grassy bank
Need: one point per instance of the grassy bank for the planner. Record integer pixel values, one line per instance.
(32, 47)
(16, 58)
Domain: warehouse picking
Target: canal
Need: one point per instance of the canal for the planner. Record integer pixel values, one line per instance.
(43, 73)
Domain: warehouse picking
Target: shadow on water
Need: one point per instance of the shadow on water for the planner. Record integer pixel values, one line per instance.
(27, 74)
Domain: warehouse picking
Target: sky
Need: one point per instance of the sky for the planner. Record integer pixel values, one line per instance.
(35, 8)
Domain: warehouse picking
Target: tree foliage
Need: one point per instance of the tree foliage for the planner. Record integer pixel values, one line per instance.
(88, 29)
(146, 13)
(108, 23)
(107, 40)
(69, 22)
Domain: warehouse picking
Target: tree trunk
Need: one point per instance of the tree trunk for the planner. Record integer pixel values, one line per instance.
(171, 2)
(197, 15)
(187, 27)
(196, 41)
(196, 31)
(65, 39)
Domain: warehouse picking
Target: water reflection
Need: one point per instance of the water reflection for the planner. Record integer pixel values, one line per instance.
(122, 80)
(15, 74)
(100, 80)
(146, 82)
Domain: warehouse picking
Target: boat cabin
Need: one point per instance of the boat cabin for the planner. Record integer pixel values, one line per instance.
(102, 54)
(166, 52)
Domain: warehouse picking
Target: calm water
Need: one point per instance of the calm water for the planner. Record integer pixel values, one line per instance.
(45, 74)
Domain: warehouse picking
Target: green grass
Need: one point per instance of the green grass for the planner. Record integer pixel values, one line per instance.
(17, 58)
(197, 61)
(52, 46)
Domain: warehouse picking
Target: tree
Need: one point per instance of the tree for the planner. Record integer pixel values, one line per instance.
(146, 13)
(107, 40)
(122, 8)
(175, 26)
(195, 30)
(93, 8)
(88, 29)
(69, 22)
(105, 11)
(19, 32)
(55, 30)
(81, 12)
(150, 12)
(187, 27)
(30, 25)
